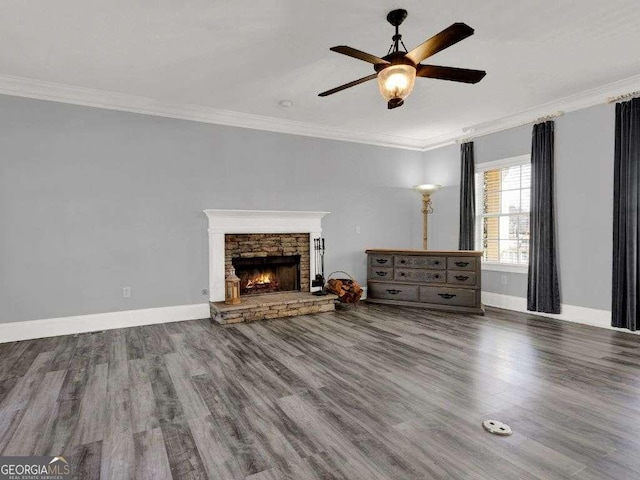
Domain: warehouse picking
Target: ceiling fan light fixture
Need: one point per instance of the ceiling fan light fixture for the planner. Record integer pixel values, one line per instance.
(396, 83)
(397, 70)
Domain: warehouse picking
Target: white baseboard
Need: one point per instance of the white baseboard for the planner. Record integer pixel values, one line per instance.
(53, 327)
(570, 313)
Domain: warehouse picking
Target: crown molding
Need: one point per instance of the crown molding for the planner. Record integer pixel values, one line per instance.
(56, 92)
(556, 108)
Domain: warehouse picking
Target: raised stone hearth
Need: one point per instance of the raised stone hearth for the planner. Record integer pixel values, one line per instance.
(276, 305)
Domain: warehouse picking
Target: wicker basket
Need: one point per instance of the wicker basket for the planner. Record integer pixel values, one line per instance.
(347, 289)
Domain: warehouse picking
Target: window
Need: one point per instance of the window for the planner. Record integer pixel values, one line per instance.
(503, 194)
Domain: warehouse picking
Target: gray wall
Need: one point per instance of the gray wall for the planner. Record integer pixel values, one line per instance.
(93, 200)
(584, 202)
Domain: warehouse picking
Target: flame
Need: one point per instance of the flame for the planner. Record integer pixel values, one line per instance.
(259, 280)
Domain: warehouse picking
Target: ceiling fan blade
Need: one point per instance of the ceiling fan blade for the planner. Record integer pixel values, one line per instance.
(348, 85)
(464, 75)
(449, 36)
(352, 52)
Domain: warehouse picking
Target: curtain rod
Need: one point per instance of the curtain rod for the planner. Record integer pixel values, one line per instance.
(553, 116)
(623, 97)
(548, 117)
(470, 130)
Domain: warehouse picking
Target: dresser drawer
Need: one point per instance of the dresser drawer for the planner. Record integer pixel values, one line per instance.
(376, 260)
(415, 261)
(380, 273)
(461, 278)
(390, 291)
(458, 297)
(419, 275)
(461, 263)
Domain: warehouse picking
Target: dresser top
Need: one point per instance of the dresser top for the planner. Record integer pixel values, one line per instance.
(457, 253)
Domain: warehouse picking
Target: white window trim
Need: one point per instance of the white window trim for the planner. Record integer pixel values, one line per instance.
(503, 163)
(494, 165)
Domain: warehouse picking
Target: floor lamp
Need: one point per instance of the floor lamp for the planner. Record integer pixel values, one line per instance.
(426, 190)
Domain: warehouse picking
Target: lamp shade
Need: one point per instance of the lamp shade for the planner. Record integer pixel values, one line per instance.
(396, 81)
(427, 188)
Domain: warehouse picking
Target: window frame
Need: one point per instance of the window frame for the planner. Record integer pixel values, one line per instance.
(483, 167)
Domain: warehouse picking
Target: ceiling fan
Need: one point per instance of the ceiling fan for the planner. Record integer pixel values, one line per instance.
(398, 69)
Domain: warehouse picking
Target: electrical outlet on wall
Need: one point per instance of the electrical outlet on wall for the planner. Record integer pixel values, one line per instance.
(504, 279)
(357, 229)
(126, 292)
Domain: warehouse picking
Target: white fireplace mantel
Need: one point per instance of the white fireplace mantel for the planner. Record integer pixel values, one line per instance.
(222, 222)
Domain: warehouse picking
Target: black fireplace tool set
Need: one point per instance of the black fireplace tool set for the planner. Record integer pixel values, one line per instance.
(319, 280)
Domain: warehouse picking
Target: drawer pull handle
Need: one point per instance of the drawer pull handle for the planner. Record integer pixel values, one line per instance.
(436, 275)
(437, 262)
(403, 261)
(402, 274)
(381, 260)
(446, 296)
(462, 264)
(381, 274)
(462, 278)
(394, 291)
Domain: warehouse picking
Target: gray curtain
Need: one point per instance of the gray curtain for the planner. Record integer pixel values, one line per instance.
(466, 239)
(543, 293)
(626, 188)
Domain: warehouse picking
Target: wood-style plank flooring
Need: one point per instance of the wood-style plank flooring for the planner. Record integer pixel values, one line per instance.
(369, 393)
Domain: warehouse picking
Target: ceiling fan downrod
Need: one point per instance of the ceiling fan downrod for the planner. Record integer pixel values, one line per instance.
(395, 18)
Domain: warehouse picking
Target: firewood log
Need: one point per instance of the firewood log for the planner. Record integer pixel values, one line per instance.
(348, 291)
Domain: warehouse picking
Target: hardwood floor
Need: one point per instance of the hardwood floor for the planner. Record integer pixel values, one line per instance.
(375, 392)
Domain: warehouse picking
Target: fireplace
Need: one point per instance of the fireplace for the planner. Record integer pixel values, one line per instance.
(269, 262)
(230, 229)
(260, 275)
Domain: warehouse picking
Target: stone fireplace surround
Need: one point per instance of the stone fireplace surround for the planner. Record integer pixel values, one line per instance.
(252, 245)
(229, 222)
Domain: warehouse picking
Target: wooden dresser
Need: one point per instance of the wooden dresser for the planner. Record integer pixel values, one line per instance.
(445, 280)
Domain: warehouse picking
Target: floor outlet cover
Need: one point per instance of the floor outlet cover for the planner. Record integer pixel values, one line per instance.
(496, 427)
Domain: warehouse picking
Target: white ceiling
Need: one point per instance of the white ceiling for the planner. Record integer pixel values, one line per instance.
(245, 56)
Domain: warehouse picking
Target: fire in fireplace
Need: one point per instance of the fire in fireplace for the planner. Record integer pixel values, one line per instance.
(260, 275)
